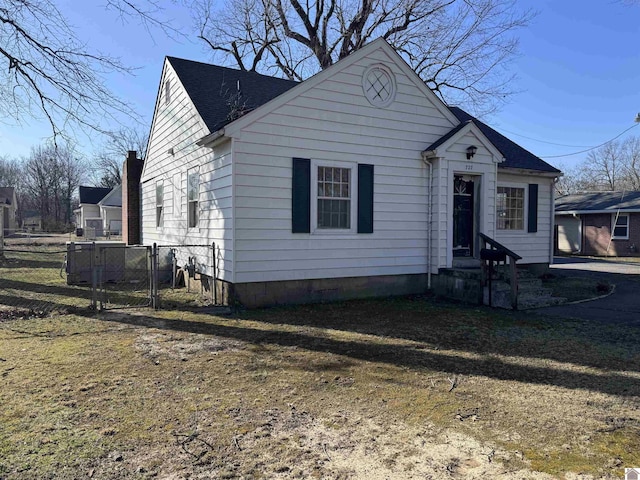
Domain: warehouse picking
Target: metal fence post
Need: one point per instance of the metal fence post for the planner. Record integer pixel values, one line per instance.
(155, 277)
(93, 264)
(214, 287)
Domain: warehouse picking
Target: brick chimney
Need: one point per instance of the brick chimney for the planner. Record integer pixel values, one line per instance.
(131, 206)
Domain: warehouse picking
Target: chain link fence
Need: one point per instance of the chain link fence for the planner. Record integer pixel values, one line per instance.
(33, 282)
(39, 280)
(124, 276)
(185, 275)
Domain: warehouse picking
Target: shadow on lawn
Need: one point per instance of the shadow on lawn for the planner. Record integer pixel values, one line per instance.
(413, 356)
(29, 259)
(474, 329)
(62, 289)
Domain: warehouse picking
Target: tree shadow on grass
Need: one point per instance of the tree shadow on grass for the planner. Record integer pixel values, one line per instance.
(412, 356)
(32, 259)
(474, 329)
(62, 289)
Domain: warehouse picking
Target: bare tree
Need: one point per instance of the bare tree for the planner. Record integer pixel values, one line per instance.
(48, 73)
(52, 173)
(631, 155)
(572, 180)
(460, 48)
(604, 167)
(613, 166)
(109, 160)
(10, 172)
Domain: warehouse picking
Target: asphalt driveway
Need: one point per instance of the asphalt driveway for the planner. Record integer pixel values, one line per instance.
(623, 306)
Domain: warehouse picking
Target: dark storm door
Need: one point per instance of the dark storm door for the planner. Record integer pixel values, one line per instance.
(462, 217)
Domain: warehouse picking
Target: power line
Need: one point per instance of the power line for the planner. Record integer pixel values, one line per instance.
(544, 141)
(592, 148)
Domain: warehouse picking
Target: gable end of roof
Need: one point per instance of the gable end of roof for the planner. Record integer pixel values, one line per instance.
(221, 93)
(515, 156)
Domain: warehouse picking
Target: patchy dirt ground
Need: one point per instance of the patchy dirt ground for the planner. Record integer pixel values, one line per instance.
(381, 389)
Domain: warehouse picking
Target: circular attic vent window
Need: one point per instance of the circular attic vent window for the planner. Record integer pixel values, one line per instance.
(379, 85)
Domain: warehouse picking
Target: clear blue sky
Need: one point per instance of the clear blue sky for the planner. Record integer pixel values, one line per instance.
(579, 73)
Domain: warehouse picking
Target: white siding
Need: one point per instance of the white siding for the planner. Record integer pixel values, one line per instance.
(88, 210)
(482, 170)
(111, 218)
(178, 126)
(334, 122)
(532, 247)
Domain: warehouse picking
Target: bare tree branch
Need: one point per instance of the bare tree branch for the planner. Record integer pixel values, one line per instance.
(108, 161)
(50, 74)
(460, 48)
(613, 166)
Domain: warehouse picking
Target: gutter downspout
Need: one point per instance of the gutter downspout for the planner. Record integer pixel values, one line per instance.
(429, 216)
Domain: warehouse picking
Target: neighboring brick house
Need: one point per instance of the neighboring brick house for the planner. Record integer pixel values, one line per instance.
(585, 222)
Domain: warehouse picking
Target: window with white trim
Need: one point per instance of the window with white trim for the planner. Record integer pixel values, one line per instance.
(159, 203)
(620, 226)
(167, 91)
(193, 187)
(334, 198)
(510, 208)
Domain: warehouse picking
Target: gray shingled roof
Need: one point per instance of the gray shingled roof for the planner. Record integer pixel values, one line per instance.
(515, 156)
(598, 202)
(92, 195)
(446, 137)
(211, 87)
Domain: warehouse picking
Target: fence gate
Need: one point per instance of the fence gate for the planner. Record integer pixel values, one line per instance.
(124, 276)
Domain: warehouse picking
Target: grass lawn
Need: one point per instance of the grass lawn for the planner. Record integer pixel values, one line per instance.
(388, 388)
(575, 288)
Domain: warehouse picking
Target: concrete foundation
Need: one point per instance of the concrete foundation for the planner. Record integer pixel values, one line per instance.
(458, 284)
(262, 294)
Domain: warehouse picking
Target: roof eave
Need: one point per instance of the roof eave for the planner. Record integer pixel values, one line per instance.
(212, 139)
(527, 171)
(607, 211)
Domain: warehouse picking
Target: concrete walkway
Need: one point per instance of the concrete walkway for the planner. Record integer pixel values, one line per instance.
(623, 306)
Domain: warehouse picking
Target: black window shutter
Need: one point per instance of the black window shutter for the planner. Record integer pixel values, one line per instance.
(301, 196)
(365, 198)
(533, 207)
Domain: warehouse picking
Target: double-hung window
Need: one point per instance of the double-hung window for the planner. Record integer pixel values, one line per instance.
(334, 198)
(510, 208)
(193, 187)
(620, 226)
(331, 197)
(159, 203)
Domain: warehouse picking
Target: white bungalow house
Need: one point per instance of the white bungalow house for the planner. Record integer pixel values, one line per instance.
(358, 181)
(9, 211)
(100, 210)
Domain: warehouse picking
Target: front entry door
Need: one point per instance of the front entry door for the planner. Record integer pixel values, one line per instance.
(462, 217)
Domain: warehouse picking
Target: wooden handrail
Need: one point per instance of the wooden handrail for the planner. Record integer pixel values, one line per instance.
(499, 246)
(513, 258)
